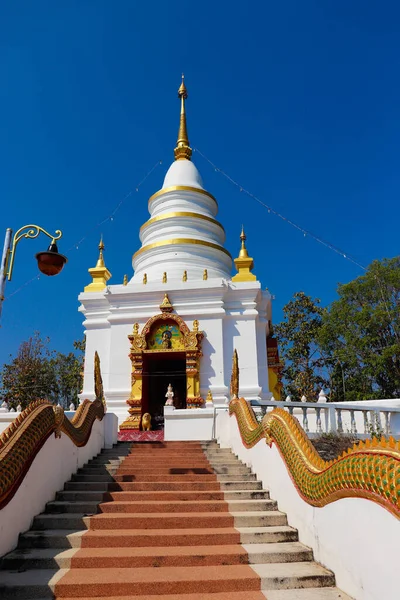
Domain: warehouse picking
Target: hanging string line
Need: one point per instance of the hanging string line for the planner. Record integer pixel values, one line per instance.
(306, 232)
(110, 217)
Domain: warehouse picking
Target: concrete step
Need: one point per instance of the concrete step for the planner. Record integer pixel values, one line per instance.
(27, 585)
(200, 596)
(267, 535)
(230, 485)
(59, 506)
(143, 581)
(328, 593)
(293, 575)
(61, 521)
(51, 538)
(237, 477)
(85, 495)
(259, 518)
(189, 556)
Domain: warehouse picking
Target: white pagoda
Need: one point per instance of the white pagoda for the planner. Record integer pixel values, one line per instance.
(182, 314)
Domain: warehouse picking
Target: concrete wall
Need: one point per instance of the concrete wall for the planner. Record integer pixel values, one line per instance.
(54, 464)
(355, 538)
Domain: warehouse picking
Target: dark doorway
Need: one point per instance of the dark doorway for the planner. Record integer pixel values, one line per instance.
(159, 370)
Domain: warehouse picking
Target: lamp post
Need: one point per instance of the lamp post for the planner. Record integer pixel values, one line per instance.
(50, 262)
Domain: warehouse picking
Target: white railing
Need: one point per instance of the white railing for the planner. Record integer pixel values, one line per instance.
(361, 419)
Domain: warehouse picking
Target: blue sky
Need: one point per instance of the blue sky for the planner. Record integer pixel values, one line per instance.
(297, 101)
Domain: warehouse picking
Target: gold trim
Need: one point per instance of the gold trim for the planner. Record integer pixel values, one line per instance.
(182, 188)
(180, 241)
(170, 215)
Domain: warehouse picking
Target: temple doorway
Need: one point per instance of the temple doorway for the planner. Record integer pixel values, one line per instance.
(159, 370)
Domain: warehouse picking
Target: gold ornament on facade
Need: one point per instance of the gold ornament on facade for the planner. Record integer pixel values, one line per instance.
(166, 306)
(235, 375)
(184, 276)
(145, 278)
(205, 275)
(164, 277)
(244, 263)
(100, 274)
(125, 282)
(189, 342)
(209, 399)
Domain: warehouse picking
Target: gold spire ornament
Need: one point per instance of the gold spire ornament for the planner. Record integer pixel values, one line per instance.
(125, 280)
(145, 278)
(166, 306)
(100, 274)
(164, 277)
(205, 275)
(183, 149)
(244, 263)
(184, 277)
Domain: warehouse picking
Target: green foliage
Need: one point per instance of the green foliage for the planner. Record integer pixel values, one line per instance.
(361, 331)
(36, 372)
(352, 347)
(299, 348)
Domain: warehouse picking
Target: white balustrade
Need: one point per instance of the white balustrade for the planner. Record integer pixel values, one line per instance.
(372, 417)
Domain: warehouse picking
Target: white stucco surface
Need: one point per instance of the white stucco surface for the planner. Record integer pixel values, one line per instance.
(54, 464)
(354, 537)
(194, 424)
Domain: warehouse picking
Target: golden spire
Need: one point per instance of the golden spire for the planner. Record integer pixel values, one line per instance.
(100, 274)
(243, 251)
(244, 263)
(100, 260)
(182, 150)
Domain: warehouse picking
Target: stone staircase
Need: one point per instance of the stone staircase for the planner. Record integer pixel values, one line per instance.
(180, 520)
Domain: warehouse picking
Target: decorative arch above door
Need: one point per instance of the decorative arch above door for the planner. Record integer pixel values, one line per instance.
(164, 333)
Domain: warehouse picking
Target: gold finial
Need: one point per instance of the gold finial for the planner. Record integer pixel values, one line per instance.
(205, 274)
(182, 150)
(100, 260)
(145, 278)
(209, 399)
(164, 277)
(100, 274)
(166, 305)
(244, 263)
(184, 277)
(125, 280)
(136, 329)
(195, 326)
(243, 250)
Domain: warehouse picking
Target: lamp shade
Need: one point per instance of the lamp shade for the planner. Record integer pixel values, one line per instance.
(51, 262)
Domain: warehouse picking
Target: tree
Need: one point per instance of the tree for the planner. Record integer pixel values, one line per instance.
(29, 376)
(361, 334)
(36, 372)
(300, 351)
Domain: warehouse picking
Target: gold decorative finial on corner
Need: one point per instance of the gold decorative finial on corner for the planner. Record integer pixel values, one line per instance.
(125, 280)
(100, 260)
(100, 274)
(244, 263)
(166, 306)
(183, 149)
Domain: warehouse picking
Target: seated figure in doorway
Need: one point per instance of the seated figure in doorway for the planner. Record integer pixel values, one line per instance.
(166, 339)
(169, 396)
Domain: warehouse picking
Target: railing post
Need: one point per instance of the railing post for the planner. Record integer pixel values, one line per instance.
(332, 419)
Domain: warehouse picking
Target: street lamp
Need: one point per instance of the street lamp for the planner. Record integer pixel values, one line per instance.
(50, 262)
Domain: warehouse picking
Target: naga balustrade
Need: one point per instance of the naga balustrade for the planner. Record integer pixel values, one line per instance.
(361, 419)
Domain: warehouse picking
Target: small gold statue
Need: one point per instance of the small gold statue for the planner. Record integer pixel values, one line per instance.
(195, 326)
(145, 278)
(205, 274)
(146, 422)
(164, 277)
(125, 280)
(184, 278)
